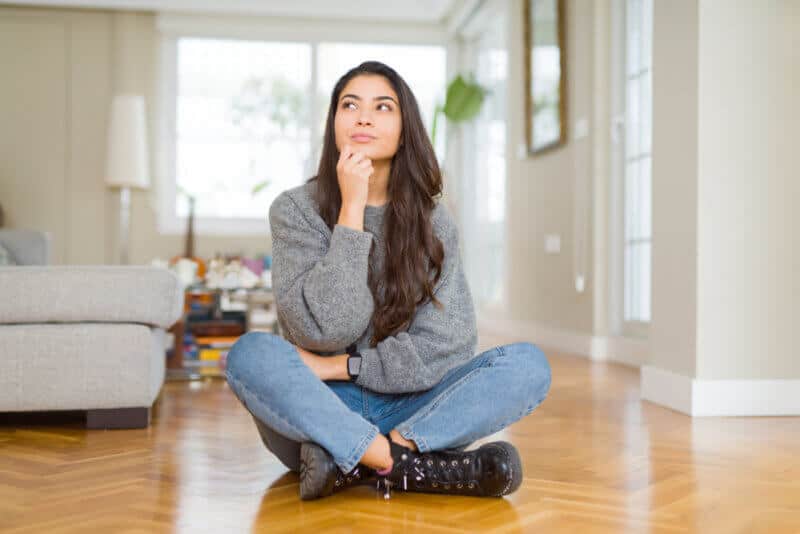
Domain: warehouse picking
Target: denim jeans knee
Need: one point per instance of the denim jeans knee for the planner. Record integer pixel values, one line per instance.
(242, 358)
(533, 368)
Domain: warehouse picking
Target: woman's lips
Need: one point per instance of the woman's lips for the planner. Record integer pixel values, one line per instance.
(362, 138)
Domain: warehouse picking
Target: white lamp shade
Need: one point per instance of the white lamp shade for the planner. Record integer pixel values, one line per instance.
(127, 164)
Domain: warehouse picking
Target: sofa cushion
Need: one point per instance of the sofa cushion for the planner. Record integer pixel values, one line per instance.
(5, 257)
(26, 247)
(79, 366)
(97, 293)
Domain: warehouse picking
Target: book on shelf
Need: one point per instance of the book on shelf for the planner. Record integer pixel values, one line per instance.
(216, 342)
(211, 354)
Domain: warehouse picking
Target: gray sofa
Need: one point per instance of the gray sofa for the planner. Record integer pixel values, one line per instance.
(89, 338)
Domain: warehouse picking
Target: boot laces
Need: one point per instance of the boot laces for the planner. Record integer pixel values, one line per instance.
(345, 479)
(434, 471)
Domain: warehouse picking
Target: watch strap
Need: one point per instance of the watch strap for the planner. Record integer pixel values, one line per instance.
(352, 354)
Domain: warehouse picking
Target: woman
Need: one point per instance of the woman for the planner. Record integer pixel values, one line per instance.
(377, 376)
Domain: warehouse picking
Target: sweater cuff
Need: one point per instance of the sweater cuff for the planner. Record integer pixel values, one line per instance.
(347, 243)
(369, 361)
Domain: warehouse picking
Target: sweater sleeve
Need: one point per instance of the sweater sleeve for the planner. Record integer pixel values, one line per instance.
(321, 292)
(435, 342)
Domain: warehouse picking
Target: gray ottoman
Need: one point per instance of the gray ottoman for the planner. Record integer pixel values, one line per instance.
(85, 338)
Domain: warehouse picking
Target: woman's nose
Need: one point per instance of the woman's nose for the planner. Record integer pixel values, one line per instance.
(364, 119)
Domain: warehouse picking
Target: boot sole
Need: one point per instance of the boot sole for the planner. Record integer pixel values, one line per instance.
(317, 472)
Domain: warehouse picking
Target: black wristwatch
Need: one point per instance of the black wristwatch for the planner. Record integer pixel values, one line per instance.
(353, 362)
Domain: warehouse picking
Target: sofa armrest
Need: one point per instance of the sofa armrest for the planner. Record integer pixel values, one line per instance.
(96, 293)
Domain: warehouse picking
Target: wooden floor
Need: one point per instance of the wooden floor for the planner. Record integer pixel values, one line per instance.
(596, 459)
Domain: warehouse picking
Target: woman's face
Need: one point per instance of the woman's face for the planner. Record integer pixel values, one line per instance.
(368, 117)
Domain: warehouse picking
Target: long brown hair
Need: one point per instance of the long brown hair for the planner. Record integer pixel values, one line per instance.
(414, 183)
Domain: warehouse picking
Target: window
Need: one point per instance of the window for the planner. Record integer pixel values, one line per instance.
(245, 120)
(637, 161)
(241, 121)
(483, 189)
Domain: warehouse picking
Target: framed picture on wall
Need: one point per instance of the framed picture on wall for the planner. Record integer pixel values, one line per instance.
(545, 75)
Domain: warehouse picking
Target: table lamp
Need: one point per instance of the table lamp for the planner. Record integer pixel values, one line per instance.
(127, 163)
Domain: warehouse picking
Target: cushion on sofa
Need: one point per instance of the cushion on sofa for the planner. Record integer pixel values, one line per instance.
(95, 293)
(26, 247)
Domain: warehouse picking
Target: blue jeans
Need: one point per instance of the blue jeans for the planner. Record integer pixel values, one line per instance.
(290, 404)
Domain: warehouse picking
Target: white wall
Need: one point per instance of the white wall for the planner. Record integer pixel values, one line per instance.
(725, 180)
(748, 238)
(725, 256)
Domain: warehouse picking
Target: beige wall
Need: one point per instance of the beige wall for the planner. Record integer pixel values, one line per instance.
(674, 257)
(748, 236)
(55, 69)
(61, 68)
(725, 185)
(541, 190)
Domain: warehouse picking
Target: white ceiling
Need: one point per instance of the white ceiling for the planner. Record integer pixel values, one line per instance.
(415, 11)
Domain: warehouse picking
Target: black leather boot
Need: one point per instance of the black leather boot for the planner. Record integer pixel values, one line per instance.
(493, 470)
(320, 476)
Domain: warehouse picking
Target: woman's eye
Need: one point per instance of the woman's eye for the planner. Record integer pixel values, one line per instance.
(346, 105)
(387, 106)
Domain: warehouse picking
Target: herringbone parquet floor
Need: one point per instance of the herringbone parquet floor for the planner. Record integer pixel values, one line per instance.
(596, 459)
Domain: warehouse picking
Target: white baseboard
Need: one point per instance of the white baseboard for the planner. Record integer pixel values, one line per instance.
(666, 388)
(625, 350)
(701, 398)
(633, 352)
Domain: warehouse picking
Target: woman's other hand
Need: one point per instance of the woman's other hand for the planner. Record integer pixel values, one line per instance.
(325, 367)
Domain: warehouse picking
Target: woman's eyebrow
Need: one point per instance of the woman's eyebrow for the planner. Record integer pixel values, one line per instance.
(385, 97)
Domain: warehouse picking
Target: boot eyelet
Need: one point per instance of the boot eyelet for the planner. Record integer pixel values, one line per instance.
(404, 457)
(466, 460)
(435, 484)
(454, 463)
(338, 482)
(459, 485)
(471, 484)
(443, 463)
(430, 462)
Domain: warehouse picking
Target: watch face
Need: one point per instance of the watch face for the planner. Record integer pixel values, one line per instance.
(353, 365)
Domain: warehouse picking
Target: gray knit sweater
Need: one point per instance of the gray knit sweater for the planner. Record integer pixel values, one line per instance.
(324, 303)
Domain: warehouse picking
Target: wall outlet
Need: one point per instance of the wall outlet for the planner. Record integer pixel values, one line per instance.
(552, 243)
(581, 128)
(580, 283)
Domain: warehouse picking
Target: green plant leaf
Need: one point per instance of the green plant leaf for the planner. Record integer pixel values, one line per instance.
(463, 102)
(464, 99)
(259, 186)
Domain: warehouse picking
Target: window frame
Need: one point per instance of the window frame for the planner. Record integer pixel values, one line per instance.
(172, 27)
(619, 208)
